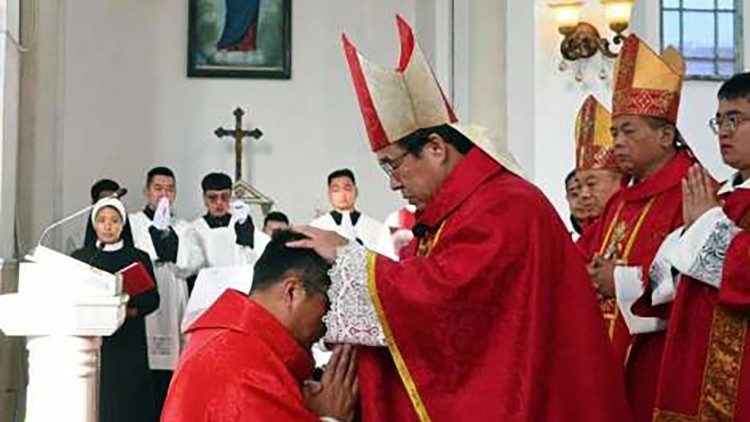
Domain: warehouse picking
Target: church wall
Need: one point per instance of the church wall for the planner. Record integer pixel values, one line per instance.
(543, 101)
(475, 80)
(38, 159)
(10, 77)
(128, 106)
(12, 367)
(125, 104)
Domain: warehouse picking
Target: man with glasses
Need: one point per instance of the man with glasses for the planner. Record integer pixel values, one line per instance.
(222, 238)
(225, 243)
(650, 151)
(344, 218)
(705, 373)
(489, 315)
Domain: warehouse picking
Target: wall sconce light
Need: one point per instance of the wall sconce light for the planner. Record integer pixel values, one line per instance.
(582, 39)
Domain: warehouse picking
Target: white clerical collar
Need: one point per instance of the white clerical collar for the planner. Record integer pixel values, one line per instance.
(729, 186)
(110, 247)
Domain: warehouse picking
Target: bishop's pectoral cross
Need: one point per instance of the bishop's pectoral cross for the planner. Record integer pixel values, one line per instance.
(239, 135)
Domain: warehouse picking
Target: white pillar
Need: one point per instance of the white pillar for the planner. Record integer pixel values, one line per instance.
(62, 378)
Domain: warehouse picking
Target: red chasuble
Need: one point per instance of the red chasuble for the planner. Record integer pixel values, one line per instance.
(705, 375)
(490, 316)
(240, 364)
(634, 224)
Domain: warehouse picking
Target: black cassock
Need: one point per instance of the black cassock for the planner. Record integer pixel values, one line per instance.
(125, 389)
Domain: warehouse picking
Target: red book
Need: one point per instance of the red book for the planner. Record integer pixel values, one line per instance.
(136, 279)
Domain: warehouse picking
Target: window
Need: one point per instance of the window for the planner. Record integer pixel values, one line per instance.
(707, 32)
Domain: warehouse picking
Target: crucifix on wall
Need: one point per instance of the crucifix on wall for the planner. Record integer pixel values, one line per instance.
(242, 189)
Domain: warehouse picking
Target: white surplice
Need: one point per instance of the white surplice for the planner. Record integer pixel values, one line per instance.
(367, 229)
(163, 325)
(222, 263)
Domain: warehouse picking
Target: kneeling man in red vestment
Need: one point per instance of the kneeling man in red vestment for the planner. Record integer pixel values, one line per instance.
(248, 357)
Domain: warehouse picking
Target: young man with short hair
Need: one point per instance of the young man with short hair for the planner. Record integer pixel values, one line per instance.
(705, 373)
(275, 221)
(345, 219)
(225, 239)
(248, 357)
(165, 237)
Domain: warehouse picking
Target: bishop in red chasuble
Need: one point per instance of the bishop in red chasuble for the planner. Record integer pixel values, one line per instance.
(600, 178)
(639, 217)
(489, 315)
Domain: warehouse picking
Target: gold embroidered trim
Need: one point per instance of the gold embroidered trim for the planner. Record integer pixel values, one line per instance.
(606, 243)
(403, 370)
(636, 229)
(617, 231)
(721, 376)
(612, 322)
(665, 416)
(609, 250)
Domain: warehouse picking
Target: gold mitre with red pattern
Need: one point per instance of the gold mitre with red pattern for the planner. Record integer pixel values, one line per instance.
(396, 103)
(646, 83)
(594, 143)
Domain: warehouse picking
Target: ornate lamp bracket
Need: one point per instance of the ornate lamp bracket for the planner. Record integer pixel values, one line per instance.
(583, 41)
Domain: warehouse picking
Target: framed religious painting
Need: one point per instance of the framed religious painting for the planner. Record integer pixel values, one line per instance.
(240, 39)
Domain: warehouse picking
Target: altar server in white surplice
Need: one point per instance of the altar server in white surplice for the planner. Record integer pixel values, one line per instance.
(227, 242)
(344, 218)
(165, 238)
(226, 235)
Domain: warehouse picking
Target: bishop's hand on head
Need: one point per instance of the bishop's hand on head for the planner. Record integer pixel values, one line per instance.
(325, 243)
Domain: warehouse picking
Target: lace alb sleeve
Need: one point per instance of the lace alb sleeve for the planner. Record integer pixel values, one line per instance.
(352, 318)
(703, 247)
(710, 261)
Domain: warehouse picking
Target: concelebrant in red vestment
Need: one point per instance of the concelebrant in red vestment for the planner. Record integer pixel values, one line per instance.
(705, 373)
(489, 315)
(596, 167)
(637, 219)
(247, 357)
(598, 176)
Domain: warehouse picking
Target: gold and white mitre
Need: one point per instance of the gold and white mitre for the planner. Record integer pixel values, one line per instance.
(396, 103)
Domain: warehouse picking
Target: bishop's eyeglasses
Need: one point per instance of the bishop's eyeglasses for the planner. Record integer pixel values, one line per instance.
(390, 166)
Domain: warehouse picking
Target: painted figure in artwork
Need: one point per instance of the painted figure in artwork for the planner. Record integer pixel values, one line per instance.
(240, 26)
